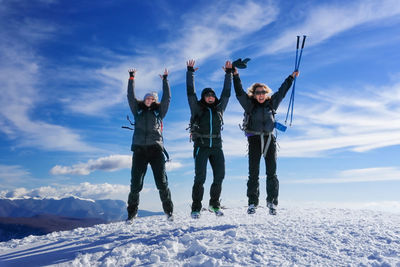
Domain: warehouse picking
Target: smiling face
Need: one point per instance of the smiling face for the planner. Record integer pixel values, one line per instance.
(209, 98)
(149, 100)
(260, 94)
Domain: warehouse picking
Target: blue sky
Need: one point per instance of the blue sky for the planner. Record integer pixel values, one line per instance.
(63, 78)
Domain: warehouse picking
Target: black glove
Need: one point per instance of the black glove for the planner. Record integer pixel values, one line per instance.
(240, 64)
(131, 74)
(165, 76)
(229, 70)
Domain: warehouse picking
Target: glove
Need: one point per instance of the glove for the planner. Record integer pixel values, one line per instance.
(240, 64)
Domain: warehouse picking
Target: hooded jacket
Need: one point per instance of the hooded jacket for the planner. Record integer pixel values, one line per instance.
(208, 118)
(148, 120)
(262, 118)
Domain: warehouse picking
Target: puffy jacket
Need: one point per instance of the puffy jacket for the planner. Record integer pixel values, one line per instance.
(208, 118)
(261, 115)
(148, 120)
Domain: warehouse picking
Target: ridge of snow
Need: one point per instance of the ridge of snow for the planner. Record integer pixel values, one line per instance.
(296, 236)
(48, 198)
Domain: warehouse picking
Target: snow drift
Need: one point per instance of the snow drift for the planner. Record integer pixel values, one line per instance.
(296, 236)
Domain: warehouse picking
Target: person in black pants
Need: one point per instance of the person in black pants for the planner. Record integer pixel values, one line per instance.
(260, 106)
(147, 144)
(206, 123)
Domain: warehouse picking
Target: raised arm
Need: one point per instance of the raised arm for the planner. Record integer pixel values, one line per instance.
(191, 92)
(166, 97)
(133, 103)
(226, 91)
(241, 95)
(278, 96)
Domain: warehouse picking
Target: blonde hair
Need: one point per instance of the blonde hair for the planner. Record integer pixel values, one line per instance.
(252, 88)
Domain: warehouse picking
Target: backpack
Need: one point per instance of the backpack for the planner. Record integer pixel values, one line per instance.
(160, 122)
(247, 115)
(193, 126)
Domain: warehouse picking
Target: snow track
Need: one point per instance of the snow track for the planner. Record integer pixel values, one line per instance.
(317, 237)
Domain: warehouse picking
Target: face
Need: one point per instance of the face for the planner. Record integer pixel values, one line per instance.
(209, 98)
(148, 101)
(260, 94)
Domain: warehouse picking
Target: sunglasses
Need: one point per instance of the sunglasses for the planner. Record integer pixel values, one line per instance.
(260, 92)
(209, 95)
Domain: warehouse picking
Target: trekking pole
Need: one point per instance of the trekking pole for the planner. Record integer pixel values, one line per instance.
(297, 65)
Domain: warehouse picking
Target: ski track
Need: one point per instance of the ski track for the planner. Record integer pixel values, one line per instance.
(316, 237)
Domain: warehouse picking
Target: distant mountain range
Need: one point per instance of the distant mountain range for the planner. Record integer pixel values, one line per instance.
(34, 216)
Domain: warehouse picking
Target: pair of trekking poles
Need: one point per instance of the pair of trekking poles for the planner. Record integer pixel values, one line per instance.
(296, 68)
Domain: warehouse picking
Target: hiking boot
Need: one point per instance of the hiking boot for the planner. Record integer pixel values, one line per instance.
(251, 209)
(217, 210)
(131, 218)
(195, 214)
(170, 217)
(272, 208)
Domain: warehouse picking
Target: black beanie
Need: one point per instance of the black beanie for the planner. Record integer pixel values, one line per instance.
(206, 91)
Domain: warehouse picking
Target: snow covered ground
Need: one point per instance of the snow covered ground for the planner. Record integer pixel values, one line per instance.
(296, 236)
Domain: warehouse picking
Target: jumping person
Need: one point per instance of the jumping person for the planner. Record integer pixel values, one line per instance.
(206, 123)
(260, 106)
(147, 144)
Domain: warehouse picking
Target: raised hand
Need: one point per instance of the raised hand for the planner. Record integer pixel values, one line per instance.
(132, 72)
(165, 74)
(228, 66)
(190, 65)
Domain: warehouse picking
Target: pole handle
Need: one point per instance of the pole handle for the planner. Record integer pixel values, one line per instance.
(298, 42)
(304, 40)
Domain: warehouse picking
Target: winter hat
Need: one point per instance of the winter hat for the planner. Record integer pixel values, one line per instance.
(152, 94)
(206, 91)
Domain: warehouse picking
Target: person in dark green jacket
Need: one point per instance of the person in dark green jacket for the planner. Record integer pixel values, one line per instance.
(147, 144)
(206, 123)
(261, 105)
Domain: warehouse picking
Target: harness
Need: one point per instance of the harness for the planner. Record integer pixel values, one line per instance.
(264, 144)
(194, 126)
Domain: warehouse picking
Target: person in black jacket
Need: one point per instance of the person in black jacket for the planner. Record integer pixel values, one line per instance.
(206, 123)
(147, 144)
(260, 106)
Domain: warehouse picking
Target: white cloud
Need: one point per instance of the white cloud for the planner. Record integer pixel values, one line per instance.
(215, 30)
(110, 163)
(12, 174)
(327, 20)
(356, 176)
(19, 72)
(83, 190)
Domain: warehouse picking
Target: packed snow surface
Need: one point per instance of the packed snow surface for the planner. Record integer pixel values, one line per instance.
(296, 236)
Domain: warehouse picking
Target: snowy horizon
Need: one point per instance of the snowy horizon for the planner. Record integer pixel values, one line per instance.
(296, 236)
(63, 78)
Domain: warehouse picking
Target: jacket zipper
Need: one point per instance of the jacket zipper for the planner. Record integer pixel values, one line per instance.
(211, 128)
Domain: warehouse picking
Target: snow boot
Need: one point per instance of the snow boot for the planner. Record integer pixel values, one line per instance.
(272, 208)
(251, 209)
(170, 217)
(217, 210)
(195, 214)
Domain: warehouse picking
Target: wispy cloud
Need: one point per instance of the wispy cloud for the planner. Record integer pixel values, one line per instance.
(218, 29)
(19, 81)
(341, 120)
(356, 176)
(327, 20)
(110, 163)
(12, 174)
